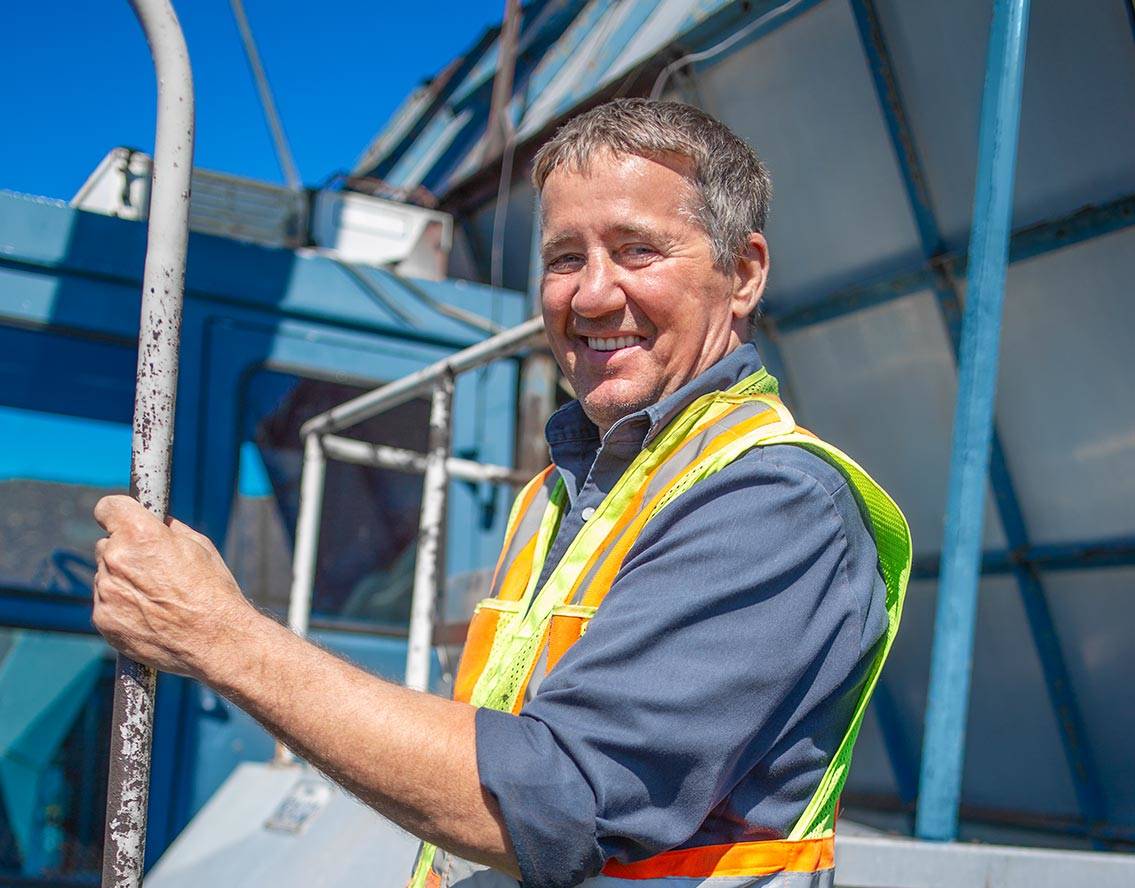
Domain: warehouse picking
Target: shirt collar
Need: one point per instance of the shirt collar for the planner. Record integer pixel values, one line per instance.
(570, 425)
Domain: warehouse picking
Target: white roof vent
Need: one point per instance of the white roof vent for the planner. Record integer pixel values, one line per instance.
(357, 228)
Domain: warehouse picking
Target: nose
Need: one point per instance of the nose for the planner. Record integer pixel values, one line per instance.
(599, 291)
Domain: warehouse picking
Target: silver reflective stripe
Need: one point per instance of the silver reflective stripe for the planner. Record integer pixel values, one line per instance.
(458, 873)
(527, 526)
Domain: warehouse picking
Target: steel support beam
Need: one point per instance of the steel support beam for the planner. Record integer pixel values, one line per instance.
(1042, 627)
(952, 653)
(1083, 555)
(1081, 225)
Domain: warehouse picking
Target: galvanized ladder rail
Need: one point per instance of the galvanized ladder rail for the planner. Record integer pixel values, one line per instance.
(321, 441)
(163, 284)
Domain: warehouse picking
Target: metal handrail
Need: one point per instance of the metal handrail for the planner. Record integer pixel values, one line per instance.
(400, 391)
(163, 286)
(437, 466)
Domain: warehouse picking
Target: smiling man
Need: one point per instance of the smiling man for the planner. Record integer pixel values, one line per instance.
(692, 603)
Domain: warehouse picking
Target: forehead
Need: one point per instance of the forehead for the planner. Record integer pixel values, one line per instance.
(616, 188)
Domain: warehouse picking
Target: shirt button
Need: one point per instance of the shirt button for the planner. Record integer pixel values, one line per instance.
(587, 513)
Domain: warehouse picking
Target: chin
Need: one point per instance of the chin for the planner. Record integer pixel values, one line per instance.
(608, 408)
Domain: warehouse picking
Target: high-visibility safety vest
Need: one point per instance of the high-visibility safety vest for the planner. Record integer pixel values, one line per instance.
(520, 627)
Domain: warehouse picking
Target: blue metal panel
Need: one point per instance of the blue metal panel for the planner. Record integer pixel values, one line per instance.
(599, 69)
(69, 284)
(1044, 634)
(21, 609)
(552, 61)
(381, 167)
(944, 742)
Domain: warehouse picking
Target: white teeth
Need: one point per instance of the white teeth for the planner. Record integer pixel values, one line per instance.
(611, 344)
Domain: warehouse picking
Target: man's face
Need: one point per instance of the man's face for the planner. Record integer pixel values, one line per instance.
(633, 304)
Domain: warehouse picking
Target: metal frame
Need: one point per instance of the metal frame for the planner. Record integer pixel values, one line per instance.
(321, 441)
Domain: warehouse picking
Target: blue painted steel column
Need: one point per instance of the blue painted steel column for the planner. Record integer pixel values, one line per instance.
(1085, 775)
(951, 659)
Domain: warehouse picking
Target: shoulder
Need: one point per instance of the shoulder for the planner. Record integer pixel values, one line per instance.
(773, 517)
(769, 483)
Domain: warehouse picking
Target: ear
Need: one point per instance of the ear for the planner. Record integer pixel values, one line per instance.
(750, 276)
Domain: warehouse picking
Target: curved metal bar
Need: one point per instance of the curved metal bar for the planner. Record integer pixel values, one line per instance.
(163, 284)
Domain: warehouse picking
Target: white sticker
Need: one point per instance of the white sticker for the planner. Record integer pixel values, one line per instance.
(299, 807)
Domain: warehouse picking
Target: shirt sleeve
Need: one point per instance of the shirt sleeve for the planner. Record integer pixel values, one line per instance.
(734, 619)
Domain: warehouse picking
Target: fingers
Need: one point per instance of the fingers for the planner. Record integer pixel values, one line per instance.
(120, 512)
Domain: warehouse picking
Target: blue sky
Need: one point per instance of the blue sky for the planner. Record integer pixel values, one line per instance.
(76, 80)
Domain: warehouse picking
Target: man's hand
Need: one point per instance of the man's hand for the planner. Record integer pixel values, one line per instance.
(162, 594)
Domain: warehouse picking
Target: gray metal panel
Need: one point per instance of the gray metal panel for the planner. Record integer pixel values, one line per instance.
(227, 844)
(839, 213)
(1078, 112)
(1095, 613)
(517, 235)
(1066, 406)
(880, 384)
(864, 861)
(1014, 759)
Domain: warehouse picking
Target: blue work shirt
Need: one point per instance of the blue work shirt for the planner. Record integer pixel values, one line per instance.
(718, 677)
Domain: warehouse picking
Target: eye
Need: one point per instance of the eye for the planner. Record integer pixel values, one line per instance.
(564, 263)
(639, 253)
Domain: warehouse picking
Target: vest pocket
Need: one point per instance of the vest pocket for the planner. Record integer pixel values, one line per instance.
(569, 622)
(488, 617)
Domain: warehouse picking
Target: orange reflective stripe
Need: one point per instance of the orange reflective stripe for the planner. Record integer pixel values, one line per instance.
(516, 579)
(741, 859)
(474, 656)
(565, 630)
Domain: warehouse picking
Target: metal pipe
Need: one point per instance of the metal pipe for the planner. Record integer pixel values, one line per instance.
(363, 453)
(163, 285)
(952, 654)
(305, 549)
(283, 152)
(402, 390)
(499, 129)
(427, 563)
(538, 371)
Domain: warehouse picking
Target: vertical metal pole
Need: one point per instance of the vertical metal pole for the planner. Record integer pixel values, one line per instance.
(538, 372)
(951, 658)
(163, 284)
(283, 152)
(427, 563)
(306, 548)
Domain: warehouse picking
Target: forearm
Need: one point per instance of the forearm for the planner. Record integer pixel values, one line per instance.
(409, 755)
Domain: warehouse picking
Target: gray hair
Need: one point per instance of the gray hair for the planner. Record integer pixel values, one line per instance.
(732, 185)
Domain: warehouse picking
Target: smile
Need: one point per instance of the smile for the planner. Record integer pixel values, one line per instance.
(612, 344)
